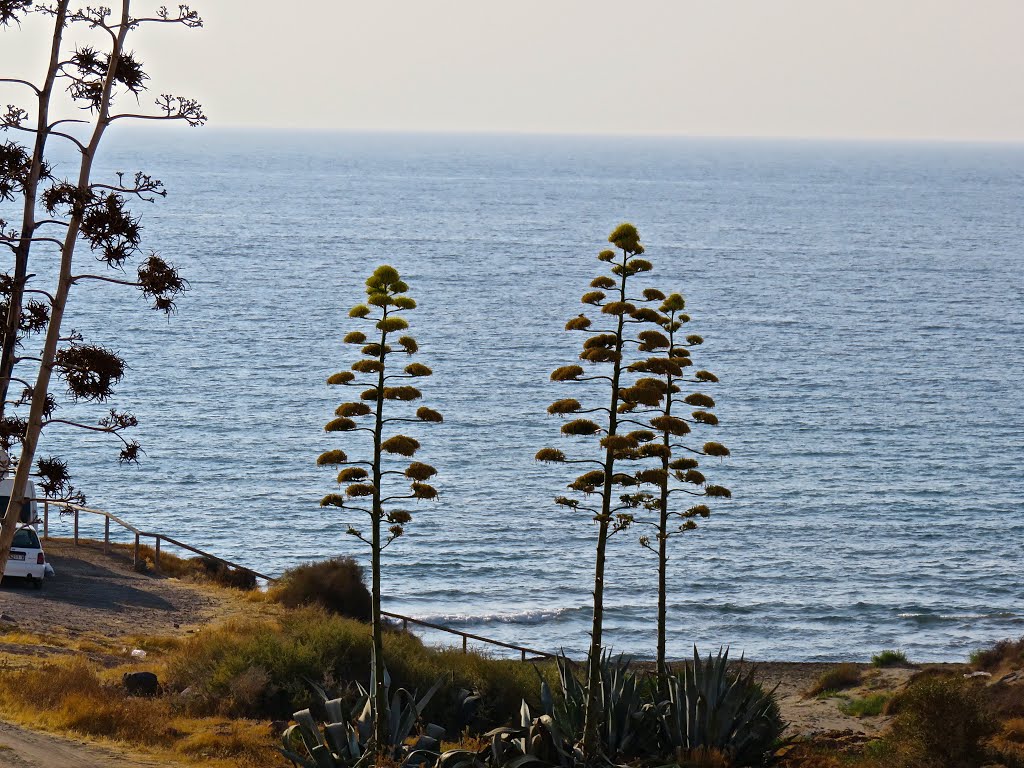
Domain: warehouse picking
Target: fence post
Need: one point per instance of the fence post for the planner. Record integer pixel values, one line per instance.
(464, 644)
(135, 557)
(156, 554)
(76, 527)
(523, 653)
(106, 535)
(46, 520)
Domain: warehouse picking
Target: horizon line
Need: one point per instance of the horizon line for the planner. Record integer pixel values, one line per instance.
(788, 138)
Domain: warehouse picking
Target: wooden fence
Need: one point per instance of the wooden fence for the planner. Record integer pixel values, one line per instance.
(77, 510)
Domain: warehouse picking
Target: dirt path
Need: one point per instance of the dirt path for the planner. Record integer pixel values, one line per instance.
(20, 748)
(98, 595)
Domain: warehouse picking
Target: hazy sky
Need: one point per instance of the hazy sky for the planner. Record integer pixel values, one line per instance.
(946, 69)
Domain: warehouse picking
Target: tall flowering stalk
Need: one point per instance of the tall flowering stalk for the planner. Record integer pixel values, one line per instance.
(379, 486)
(617, 317)
(78, 210)
(655, 398)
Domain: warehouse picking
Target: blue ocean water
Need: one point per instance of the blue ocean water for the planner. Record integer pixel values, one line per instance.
(863, 305)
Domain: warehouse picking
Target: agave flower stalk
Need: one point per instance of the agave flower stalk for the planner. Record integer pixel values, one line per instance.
(97, 213)
(678, 475)
(605, 347)
(23, 172)
(374, 480)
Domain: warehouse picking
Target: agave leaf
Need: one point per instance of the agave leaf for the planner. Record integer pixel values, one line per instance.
(308, 729)
(547, 701)
(422, 703)
(524, 760)
(324, 757)
(335, 714)
(336, 737)
(524, 715)
(364, 720)
(459, 758)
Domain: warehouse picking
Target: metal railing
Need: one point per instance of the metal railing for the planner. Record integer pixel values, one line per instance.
(467, 636)
(77, 510)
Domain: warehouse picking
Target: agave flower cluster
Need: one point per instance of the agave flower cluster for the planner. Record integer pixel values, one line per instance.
(380, 382)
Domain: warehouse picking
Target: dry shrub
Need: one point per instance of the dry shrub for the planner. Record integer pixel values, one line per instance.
(246, 692)
(837, 678)
(1006, 700)
(1005, 653)
(68, 695)
(1008, 746)
(941, 721)
(335, 585)
(703, 757)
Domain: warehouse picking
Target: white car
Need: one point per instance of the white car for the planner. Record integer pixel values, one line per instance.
(26, 559)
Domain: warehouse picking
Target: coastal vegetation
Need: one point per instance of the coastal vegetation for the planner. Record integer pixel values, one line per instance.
(228, 689)
(890, 658)
(78, 210)
(380, 486)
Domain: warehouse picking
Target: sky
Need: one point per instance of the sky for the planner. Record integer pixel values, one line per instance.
(860, 69)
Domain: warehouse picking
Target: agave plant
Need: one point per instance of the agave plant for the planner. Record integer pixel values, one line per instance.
(628, 726)
(712, 707)
(537, 741)
(346, 742)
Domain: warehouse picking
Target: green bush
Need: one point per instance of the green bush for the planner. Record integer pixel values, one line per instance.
(335, 585)
(869, 706)
(890, 658)
(940, 721)
(260, 668)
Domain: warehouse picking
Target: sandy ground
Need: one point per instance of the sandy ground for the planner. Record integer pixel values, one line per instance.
(811, 716)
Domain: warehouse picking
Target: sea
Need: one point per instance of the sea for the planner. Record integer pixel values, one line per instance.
(861, 303)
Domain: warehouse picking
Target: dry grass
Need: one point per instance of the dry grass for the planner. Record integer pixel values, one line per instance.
(257, 668)
(1004, 654)
(838, 678)
(73, 696)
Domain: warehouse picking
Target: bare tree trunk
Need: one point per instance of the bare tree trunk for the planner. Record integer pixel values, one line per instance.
(60, 299)
(28, 216)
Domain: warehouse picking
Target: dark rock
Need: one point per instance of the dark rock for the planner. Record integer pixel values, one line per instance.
(277, 727)
(141, 683)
